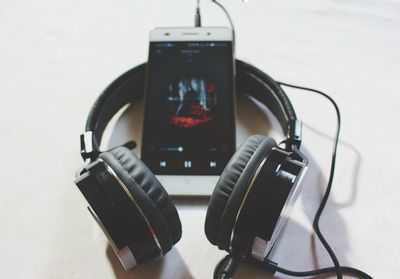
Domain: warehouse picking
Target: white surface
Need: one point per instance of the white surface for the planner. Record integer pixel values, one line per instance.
(56, 56)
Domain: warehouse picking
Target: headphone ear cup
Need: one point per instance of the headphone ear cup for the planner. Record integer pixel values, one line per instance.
(148, 193)
(231, 188)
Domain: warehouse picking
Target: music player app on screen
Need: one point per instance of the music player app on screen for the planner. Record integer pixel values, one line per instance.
(189, 114)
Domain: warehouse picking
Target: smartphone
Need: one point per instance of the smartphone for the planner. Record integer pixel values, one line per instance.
(189, 116)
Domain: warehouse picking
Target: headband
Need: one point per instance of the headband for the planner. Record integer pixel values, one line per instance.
(130, 86)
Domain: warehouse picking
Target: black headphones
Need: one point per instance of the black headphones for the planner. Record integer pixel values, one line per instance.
(136, 213)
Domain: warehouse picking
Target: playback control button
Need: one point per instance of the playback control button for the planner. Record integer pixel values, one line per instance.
(187, 164)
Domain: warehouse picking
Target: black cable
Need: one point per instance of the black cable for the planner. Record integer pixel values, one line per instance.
(197, 18)
(346, 269)
(226, 13)
(273, 267)
(337, 268)
(230, 21)
(331, 175)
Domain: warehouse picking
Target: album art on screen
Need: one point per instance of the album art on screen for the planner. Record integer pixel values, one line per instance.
(191, 101)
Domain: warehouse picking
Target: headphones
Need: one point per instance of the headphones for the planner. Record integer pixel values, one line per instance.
(137, 215)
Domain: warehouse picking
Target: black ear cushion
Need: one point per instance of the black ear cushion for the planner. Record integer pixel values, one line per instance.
(231, 189)
(148, 193)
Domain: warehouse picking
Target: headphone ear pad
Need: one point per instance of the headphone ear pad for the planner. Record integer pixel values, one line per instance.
(148, 193)
(231, 189)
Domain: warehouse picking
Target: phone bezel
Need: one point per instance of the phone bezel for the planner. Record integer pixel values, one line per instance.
(166, 34)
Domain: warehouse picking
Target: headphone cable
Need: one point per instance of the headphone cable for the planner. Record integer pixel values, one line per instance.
(331, 175)
(197, 18)
(232, 261)
(337, 267)
(227, 266)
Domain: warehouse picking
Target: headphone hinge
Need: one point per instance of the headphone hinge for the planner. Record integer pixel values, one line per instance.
(295, 134)
(89, 146)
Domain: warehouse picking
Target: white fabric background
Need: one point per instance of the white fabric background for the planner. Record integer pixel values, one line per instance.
(56, 56)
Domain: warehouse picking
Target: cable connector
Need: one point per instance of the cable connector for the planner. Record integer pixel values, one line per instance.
(197, 17)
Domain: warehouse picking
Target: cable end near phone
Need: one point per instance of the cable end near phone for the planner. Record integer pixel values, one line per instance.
(197, 18)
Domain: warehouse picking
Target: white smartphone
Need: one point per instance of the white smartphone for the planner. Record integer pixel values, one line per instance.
(189, 118)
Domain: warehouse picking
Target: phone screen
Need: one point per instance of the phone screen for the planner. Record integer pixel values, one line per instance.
(189, 124)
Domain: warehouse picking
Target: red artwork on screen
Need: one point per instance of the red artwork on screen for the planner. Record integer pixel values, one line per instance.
(202, 116)
(192, 100)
